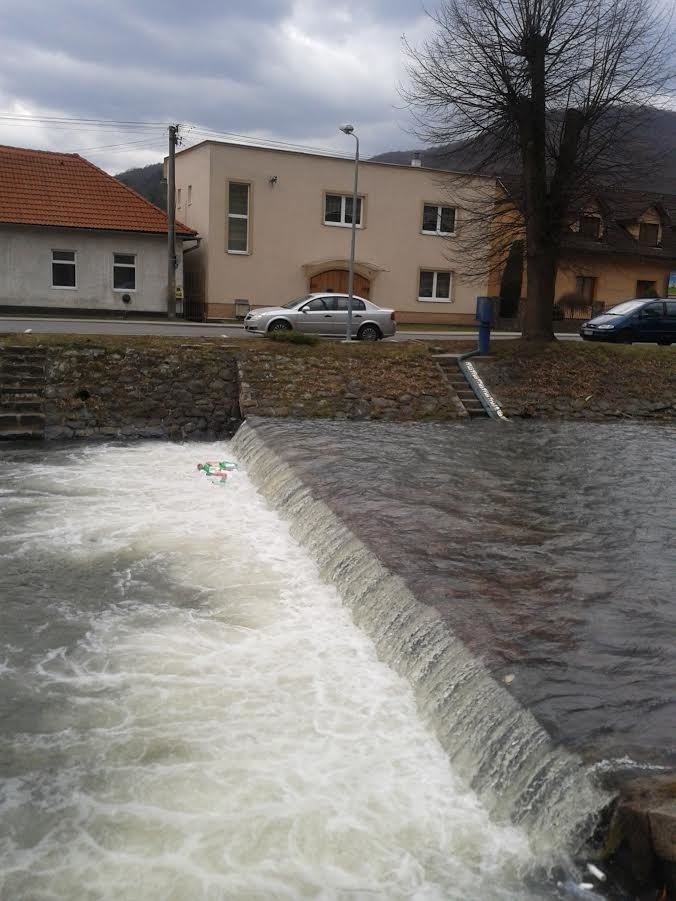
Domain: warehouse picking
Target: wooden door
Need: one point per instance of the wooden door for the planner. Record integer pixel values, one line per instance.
(334, 281)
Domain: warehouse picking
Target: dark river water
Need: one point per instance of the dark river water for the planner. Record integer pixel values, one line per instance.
(550, 549)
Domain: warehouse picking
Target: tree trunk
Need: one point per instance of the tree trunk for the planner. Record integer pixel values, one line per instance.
(538, 318)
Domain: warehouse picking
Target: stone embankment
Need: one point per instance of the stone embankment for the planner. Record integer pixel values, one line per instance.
(106, 390)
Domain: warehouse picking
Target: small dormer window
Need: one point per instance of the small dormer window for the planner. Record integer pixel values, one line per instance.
(649, 234)
(590, 227)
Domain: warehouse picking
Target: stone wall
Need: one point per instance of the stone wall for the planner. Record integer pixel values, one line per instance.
(189, 391)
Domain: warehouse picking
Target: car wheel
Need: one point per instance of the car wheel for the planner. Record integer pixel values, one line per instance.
(279, 325)
(369, 333)
(626, 336)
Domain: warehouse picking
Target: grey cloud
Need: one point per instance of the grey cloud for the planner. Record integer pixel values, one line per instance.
(241, 71)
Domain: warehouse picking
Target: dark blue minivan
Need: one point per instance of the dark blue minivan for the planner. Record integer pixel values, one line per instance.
(634, 320)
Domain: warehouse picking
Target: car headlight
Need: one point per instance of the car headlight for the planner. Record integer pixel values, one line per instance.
(605, 327)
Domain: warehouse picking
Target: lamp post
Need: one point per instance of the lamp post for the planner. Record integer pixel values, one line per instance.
(349, 130)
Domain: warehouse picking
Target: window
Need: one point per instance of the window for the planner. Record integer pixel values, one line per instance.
(124, 272)
(178, 198)
(585, 287)
(316, 306)
(671, 309)
(438, 220)
(652, 311)
(590, 227)
(63, 269)
(646, 289)
(341, 304)
(238, 218)
(648, 234)
(338, 209)
(189, 194)
(434, 286)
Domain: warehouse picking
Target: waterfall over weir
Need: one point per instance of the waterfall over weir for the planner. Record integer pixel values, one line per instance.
(492, 741)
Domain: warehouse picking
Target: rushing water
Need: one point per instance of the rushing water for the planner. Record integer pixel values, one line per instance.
(549, 549)
(189, 712)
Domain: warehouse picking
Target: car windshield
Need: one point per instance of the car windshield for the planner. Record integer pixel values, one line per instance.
(294, 303)
(625, 307)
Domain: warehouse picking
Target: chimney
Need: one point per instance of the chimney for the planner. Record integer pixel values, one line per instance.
(416, 161)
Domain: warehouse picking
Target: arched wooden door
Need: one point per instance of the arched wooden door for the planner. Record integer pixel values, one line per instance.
(334, 281)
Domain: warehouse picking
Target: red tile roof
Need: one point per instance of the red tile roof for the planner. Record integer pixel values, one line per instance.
(38, 187)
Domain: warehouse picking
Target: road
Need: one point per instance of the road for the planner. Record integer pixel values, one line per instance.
(182, 329)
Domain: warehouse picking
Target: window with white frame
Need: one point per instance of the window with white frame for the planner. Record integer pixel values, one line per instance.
(238, 217)
(124, 272)
(438, 220)
(435, 285)
(64, 273)
(338, 209)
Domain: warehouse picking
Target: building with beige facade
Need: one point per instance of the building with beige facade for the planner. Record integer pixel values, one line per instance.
(275, 224)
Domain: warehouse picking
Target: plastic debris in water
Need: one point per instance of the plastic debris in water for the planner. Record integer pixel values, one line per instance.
(508, 679)
(596, 873)
(583, 890)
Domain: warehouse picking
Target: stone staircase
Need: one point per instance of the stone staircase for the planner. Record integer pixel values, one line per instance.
(457, 381)
(22, 392)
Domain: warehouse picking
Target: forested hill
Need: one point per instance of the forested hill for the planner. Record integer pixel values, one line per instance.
(659, 134)
(661, 178)
(147, 181)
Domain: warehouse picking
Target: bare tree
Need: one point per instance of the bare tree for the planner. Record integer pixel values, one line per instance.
(551, 89)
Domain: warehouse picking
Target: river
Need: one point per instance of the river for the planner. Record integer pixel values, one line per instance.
(198, 703)
(188, 711)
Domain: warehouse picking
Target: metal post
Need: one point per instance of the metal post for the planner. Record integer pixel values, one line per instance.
(349, 130)
(171, 222)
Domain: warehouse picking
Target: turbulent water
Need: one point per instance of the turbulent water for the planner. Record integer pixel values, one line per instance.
(189, 712)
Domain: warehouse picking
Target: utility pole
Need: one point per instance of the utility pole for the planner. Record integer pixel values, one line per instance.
(171, 221)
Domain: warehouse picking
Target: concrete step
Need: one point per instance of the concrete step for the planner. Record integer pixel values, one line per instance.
(19, 404)
(476, 414)
(21, 371)
(21, 434)
(30, 382)
(21, 420)
(14, 392)
(32, 352)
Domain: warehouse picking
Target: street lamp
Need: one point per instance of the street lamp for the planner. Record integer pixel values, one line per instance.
(349, 130)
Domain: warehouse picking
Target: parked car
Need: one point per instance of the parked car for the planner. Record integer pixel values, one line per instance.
(324, 314)
(651, 320)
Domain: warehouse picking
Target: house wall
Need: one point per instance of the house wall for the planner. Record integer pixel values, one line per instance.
(616, 277)
(26, 269)
(289, 242)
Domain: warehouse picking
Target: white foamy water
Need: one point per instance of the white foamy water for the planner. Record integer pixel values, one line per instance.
(189, 712)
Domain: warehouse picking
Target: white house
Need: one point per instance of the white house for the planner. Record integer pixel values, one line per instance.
(72, 237)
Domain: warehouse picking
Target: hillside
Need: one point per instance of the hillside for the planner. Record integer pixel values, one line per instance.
(659, 177)
(147, 181)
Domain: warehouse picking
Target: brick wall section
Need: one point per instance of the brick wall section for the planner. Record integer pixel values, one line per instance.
(190, 392)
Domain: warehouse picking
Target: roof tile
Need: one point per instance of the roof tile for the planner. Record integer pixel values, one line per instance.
(39, 187)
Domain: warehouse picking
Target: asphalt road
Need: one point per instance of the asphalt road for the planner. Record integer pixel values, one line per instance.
(193, 329)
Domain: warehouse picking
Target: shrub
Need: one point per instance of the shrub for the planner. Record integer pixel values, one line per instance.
(293, 337)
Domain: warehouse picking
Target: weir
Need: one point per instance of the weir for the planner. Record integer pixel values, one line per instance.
(494, 743)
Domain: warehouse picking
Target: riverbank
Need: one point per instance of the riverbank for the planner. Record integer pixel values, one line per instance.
(385, 381)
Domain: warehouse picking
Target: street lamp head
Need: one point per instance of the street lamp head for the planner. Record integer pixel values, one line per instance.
(347, 129)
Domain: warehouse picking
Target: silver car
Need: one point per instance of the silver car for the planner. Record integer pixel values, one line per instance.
(324, 314)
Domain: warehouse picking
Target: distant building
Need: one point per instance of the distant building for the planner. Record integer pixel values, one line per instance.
(621, 245)
(74, 238)
(275, 224)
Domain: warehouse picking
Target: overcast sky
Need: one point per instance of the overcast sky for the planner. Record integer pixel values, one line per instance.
(288, 70)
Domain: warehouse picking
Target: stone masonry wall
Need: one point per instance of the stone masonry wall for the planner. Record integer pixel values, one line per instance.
(100, 392)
